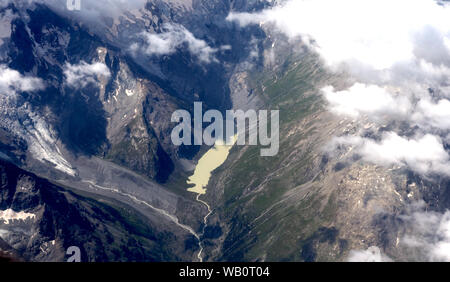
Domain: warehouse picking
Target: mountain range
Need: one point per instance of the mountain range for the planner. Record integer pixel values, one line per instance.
(86, 157)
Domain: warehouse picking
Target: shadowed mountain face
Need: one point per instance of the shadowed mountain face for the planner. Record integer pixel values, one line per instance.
(76, 114)
(86, 157)
(95, 116)
(103, 117)
(44, 220)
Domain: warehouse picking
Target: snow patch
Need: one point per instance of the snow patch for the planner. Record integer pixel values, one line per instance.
(9, 216)
(129, 92)
(43, 147)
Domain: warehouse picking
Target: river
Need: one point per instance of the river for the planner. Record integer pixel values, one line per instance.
(211, 160)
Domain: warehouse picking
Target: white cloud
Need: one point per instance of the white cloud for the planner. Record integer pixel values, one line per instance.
(378, 103)
(21, 120)
(433, 73)
(424, 154)
(433, 114)
(173, 37)
(429, 233)
(378, 33)
(366, 99)
(244, 19)
(111, 8)
(372, 254)
(394, 51)
(91, 11)
(11, 81)
(83, 73)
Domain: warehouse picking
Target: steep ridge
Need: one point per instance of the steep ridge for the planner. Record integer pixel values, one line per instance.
(56, 219)
(306, 203)
(108, 136)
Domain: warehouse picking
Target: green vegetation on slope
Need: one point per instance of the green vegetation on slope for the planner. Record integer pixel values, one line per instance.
(271, 217)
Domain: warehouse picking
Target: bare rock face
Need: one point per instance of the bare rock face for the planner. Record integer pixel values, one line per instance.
(310, 202)
(40, 221)
(99, 123)
(123, 116)
(104, 120)
(106, 136)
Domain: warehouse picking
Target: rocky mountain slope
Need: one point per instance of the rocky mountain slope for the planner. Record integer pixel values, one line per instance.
(311, 203)
(81, 108)
(40, 221)
(86, 99)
